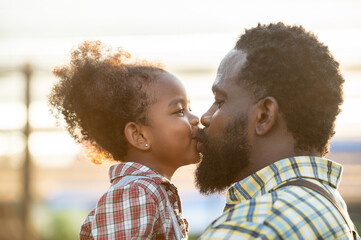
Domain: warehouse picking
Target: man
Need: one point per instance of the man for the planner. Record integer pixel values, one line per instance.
(277, 95)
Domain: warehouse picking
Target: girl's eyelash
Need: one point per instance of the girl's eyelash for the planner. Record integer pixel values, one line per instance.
(180, 111)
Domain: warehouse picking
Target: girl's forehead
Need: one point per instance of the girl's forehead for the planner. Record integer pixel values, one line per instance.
(167, 86)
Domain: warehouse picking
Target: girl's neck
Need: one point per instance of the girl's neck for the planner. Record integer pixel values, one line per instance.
(152, 163)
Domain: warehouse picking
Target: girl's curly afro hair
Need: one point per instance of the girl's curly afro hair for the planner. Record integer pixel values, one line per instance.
(98, 93)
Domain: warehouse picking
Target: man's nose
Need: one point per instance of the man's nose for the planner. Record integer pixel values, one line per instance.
(206, 119)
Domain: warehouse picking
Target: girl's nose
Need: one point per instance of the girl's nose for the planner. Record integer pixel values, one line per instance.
(194, 120)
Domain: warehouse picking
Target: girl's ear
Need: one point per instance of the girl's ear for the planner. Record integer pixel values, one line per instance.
(267, 113)
(136, 136)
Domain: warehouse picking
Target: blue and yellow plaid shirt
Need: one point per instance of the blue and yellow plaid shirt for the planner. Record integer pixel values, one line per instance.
(254, 210)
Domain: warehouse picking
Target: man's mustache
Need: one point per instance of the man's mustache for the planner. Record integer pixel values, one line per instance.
(201, 136)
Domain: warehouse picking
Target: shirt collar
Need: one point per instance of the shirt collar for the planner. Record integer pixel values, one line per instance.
(136, 169)
(283, 171)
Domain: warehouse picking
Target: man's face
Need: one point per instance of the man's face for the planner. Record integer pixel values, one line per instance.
(225, 140)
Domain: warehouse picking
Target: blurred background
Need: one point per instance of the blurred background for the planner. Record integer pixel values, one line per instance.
(46, 187)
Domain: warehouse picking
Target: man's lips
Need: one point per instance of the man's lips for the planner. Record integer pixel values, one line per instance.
(199, 146)
(200, 139)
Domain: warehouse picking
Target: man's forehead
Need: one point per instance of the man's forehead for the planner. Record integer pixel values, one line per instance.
(229, 68)
(233, 60)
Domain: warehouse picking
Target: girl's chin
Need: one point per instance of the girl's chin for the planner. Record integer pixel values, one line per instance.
(199, 157)
(196, 158)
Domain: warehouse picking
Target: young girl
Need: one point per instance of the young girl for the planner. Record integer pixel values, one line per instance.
(138, 115)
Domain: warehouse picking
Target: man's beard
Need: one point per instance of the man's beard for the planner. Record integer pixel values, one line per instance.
(223, 159)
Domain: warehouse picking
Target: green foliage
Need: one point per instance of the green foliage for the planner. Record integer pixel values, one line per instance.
(358, 226)
(60, 227)
(193, 237)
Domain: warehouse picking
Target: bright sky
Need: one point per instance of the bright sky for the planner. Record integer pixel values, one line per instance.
(189, 37)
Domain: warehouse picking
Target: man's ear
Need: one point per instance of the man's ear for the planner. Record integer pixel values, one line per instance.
(136, 136)
(267, 114)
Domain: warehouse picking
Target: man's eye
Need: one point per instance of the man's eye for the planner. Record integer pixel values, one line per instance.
(218, 103)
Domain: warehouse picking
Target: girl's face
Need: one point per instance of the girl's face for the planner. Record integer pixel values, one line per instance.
(172, 128)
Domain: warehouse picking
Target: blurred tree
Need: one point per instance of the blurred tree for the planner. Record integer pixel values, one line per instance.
(60, 227)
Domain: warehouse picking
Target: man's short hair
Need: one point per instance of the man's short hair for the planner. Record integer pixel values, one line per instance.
(298, 70)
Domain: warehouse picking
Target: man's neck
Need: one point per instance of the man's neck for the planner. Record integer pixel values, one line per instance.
(267, 153)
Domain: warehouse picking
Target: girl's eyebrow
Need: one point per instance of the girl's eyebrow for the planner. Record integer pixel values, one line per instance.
(177, 100)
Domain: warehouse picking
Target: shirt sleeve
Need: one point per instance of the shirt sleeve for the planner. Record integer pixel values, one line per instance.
(85, 231)
(239, 230)
(127, 213)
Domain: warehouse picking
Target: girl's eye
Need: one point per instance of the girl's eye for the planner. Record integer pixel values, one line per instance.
(180, 112)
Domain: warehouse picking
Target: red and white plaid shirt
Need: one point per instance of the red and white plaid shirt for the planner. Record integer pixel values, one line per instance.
(135, 211)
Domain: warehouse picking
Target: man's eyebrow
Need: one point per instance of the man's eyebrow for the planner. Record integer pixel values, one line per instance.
(216, 88)
(178, 100)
